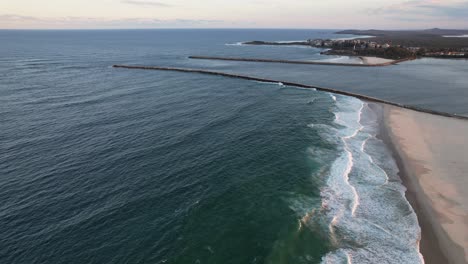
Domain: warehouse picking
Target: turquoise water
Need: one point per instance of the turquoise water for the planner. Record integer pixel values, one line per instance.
(103, 165)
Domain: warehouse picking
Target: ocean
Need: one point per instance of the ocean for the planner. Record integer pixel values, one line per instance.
(104, 165)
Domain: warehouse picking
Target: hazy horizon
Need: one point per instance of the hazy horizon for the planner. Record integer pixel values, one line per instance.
(298, 14)
(225, 28)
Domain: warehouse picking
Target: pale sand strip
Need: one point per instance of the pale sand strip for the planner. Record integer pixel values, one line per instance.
(374, 60)
(434, 154)
(362, 61)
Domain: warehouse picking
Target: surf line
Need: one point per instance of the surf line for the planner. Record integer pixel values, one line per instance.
(323, 89)
(350, 157)
(346, 173)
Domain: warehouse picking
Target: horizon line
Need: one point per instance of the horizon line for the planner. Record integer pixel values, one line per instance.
(218, 28)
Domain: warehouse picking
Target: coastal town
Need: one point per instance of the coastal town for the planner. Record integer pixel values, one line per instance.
(395, 45)
(362, 47)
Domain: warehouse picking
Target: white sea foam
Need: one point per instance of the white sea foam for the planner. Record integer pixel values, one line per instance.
(274, 46)
(366, 215)
(284, 85)
(340, 59)
(354, 37)
(289, 41)
(260, 82)
(457, 36)
(235, 44)
(279, 41)
(301, 88)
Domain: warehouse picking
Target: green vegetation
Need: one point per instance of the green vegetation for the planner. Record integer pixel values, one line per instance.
(394, 53)
(430, 39)
(395, 45)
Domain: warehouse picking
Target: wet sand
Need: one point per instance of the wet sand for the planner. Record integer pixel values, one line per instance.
(432, 152)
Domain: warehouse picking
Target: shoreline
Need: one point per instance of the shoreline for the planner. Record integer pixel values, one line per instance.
(428, 246)
(426, 162)
(367, 61)
(426, 166)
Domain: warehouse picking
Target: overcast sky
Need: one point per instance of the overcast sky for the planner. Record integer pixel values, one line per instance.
(313, 14)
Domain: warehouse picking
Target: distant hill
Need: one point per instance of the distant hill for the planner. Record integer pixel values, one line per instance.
(429, 38)
(432, 31)
(446, 32)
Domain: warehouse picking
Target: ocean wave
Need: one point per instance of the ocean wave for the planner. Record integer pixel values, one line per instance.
(283, 85)
(235, 44)
(365, 214)
(273, 46)
(456, 36)
(289, 41)
(354, 37)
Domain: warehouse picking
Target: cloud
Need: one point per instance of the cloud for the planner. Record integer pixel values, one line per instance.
(29, 22)
(11, 18)
(146, 3)
(425, 9)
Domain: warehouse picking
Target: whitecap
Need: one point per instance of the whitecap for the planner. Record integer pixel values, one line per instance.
(235, 44)
(367, 217)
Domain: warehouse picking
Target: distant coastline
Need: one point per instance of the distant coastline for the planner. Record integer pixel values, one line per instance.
(365, 61)
(389, 44)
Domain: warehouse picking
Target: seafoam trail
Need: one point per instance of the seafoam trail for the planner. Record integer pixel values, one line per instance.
(370, 220)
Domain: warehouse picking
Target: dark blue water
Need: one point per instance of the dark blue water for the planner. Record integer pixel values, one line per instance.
(103, 165)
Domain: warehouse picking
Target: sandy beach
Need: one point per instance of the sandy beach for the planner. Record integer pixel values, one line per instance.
(339, 60)
(359, 60)
(432, 152)
(374, 60)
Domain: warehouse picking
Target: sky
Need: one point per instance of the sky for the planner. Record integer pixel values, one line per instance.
(310, 14)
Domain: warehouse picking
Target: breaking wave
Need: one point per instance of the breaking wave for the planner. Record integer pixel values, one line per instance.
(363, 211)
